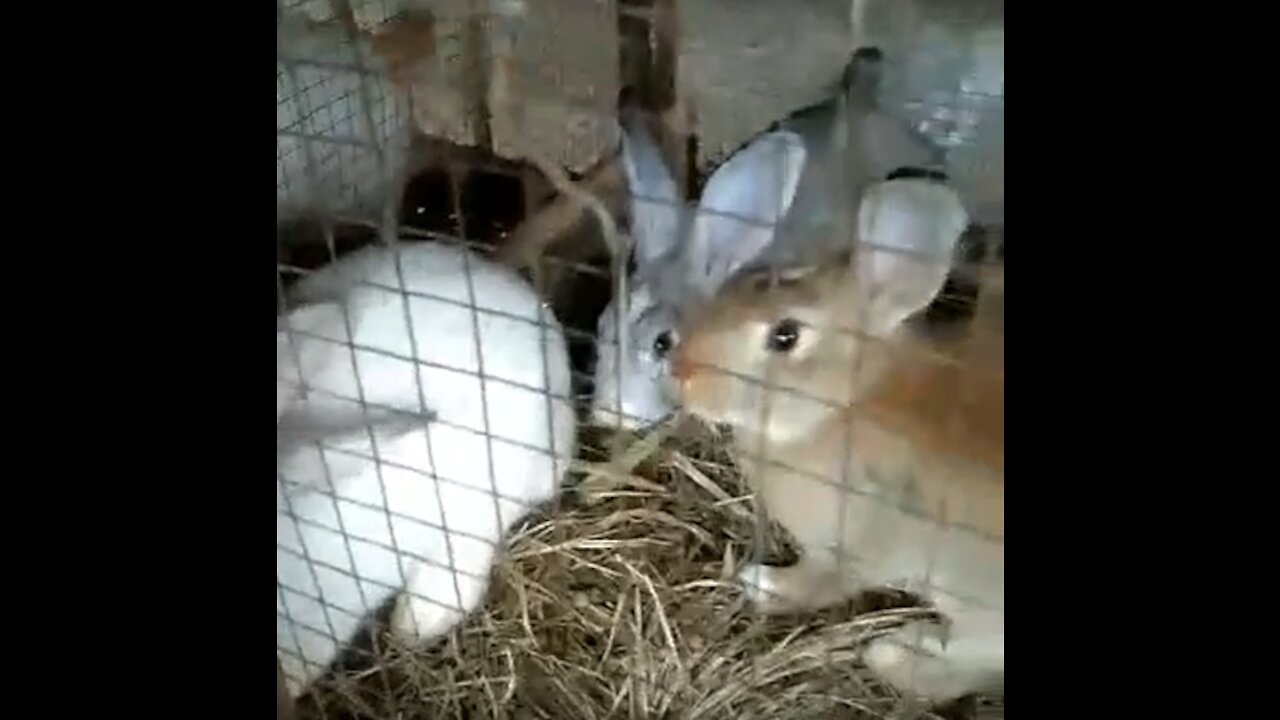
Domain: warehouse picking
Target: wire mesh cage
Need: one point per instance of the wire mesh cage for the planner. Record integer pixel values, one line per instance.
(340, 126)
(627, 367)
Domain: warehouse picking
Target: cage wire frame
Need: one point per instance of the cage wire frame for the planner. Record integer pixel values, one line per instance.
(387, 227)
(342, 119)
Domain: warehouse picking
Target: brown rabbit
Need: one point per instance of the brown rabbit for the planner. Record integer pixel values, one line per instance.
(883, 456)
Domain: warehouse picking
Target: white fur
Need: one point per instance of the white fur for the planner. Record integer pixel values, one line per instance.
(342, 516)
(636, 395)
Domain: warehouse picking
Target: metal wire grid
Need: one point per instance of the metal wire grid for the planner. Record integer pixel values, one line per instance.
(324, 152)
(341, 129)
(327, 122)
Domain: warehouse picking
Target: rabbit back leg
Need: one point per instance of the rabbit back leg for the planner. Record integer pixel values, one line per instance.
(454, 551)
(326, 582)
(439, 595)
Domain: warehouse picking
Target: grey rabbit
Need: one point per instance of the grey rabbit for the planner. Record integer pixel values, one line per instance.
(683, 254)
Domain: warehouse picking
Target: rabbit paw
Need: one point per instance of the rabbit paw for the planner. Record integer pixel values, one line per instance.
(416, 620)
(917, 661)
(773, 589)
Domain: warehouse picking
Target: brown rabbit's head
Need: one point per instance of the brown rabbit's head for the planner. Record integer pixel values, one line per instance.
(777, 353)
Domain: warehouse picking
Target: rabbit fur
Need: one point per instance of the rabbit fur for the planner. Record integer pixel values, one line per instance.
(682, 255)
(388, 504)
(885, 463)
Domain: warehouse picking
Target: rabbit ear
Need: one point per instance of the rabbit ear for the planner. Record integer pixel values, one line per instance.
(741, 206)
(654, 198)
(908, 229)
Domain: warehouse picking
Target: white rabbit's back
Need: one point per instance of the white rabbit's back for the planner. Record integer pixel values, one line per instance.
(522, 352)
(429, 268)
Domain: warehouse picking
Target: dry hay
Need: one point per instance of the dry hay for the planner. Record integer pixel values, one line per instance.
(620, 604)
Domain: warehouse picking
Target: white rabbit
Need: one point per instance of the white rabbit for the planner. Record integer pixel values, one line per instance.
(329, 160)
(679, 262)
(392, 523)
(886, 467)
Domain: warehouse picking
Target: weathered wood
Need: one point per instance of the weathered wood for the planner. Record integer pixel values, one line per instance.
(436, 48)
(368, 14)
(553, 83)
(745, 63)
(445, 87)
(511, 76)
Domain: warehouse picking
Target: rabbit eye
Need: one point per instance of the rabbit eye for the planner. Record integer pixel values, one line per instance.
(662, 344)
(784, 336)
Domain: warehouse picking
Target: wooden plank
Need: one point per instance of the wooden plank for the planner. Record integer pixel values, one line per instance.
(745, 63)
(553, 82)
(511, 76)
